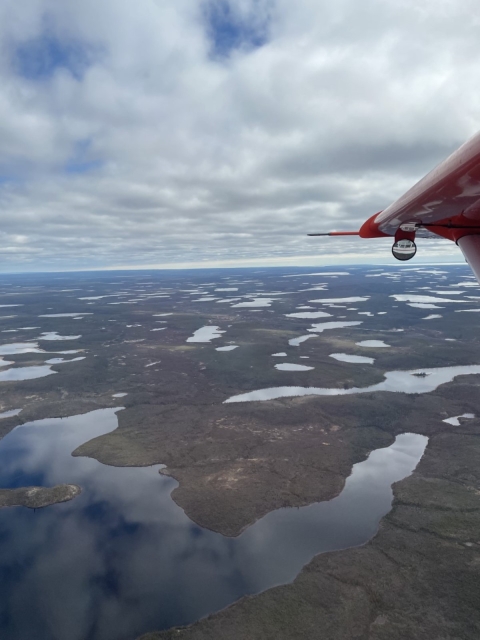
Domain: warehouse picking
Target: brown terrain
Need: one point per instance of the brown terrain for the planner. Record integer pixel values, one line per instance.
(418, 578)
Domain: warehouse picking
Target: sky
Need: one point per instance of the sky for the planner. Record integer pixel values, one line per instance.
(220, 132)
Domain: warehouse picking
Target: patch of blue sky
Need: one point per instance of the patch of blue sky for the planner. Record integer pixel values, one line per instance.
(229, 29)
(11, 171)
(83, 167)
(81, 160)
(41, 57)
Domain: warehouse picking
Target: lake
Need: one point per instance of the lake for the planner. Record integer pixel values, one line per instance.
(122, 558)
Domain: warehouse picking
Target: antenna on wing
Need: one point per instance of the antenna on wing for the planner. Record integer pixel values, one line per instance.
(336, 233)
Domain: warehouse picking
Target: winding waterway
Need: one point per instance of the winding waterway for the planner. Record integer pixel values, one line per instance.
(416, 381)
(123, 558)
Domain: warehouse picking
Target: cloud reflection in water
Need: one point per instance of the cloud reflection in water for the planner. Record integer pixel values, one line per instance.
(123, 558)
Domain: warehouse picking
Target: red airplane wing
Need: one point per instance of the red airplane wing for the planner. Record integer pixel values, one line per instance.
(445, 203)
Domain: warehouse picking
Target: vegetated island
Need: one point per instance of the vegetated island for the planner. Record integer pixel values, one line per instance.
(37, 497)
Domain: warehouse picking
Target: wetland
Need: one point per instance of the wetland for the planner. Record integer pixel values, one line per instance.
(143, 480)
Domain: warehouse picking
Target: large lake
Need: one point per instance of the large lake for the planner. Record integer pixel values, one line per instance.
(123, 558)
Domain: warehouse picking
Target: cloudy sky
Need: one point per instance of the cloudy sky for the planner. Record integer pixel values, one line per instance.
(221, 132)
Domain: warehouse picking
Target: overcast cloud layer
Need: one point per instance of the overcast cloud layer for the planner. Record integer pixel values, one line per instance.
(172, 132)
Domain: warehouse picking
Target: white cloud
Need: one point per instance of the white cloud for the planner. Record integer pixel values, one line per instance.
(138, 146)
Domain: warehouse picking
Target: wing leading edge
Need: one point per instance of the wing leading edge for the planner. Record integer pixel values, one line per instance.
(445, 203)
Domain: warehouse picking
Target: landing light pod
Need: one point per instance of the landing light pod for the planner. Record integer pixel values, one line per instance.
(404, 249)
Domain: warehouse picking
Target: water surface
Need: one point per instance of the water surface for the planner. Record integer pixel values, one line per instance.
(206, 334)
(15, 348)
(290, 366)
(416, 381)
(123, 558)
(377, 344)
(308, 314)
(322, 326)
(455, 420)
(54, 335)
(346, 357)
(25, 373)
